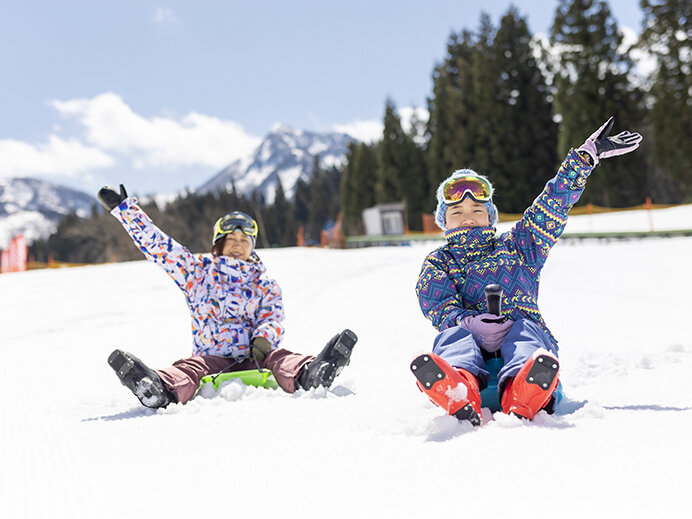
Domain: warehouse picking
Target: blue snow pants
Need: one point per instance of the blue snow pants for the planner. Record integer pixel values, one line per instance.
(457, 346)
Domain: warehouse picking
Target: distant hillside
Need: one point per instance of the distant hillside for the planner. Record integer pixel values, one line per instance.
(34, 207)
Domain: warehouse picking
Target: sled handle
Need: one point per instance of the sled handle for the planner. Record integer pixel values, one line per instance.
(493, 299)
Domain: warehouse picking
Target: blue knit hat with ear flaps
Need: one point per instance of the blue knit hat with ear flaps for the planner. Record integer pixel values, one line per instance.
(441, 210)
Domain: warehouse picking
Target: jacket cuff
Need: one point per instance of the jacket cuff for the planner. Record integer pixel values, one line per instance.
(124, 205)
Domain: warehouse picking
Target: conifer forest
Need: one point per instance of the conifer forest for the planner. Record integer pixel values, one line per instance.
(504, 103)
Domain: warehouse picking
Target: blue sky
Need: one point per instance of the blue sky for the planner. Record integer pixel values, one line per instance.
(163, 94)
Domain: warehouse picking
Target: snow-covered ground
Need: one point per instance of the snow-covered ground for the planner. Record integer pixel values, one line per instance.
(75, 443)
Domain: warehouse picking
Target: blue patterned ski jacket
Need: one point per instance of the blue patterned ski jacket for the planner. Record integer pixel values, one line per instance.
(231, 301)
(453, 278)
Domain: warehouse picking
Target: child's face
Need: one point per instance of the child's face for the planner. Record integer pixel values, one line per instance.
(237, 245)
(467, 213)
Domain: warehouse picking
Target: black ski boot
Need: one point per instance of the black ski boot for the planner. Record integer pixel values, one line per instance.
(141, 380)
(328, 364)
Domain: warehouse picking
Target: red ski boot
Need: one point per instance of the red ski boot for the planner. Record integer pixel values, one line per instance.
(454, 390)
(530, 390)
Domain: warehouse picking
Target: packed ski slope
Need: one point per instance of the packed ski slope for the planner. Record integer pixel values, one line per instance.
(75, 443)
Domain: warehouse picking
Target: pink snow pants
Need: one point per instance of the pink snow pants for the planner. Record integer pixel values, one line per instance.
(183, 377)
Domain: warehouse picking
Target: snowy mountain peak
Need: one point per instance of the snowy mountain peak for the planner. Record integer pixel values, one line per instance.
(285, 154)
(279, 128)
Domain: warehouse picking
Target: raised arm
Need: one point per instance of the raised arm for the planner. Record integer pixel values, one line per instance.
(545, 220)
(178, 262)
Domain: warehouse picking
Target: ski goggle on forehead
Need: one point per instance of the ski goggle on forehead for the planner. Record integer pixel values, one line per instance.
(233, 221)
(457, 188)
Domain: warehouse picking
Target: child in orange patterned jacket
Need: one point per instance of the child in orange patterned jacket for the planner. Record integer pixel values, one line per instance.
(236, 312)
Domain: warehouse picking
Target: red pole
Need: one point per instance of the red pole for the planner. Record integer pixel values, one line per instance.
(649, 207)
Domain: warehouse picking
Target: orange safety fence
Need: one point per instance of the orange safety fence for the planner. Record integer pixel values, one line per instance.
(36, 265)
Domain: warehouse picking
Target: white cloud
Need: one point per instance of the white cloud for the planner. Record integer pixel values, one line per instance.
(57, 157)
(163, 15)
(370, 131)
(407, 115)
(195, 139)
(645, 62)
(104, 132)
(364, 131)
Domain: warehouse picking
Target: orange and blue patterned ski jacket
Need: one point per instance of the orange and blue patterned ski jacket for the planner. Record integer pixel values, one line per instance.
(453, 278)
(231, 301)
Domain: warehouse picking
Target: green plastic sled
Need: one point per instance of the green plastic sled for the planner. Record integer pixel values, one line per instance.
(250, 377)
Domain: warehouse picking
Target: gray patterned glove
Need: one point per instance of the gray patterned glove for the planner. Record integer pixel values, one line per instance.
(600, 146)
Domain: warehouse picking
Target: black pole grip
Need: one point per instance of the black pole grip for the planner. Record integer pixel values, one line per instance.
(493, 299)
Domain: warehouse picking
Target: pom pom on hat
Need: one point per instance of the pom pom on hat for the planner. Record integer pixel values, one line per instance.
(441, 211)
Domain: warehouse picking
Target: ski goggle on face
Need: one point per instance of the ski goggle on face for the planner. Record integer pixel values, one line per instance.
(457, 188)
(232, 221)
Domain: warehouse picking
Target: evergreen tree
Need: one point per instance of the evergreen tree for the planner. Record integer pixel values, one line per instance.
(257, 209)
(451, 141)
(668, 35)
(484, 126)
(320, 202)
(301, 203)
(366, 172)
(524, 134)
(349, 203)
(593, 84)
(284, 218)
(439, 132)
(492, 113)
(333, 179)
(392, 158)
(273, 222)
(416, 186)
(358, 186)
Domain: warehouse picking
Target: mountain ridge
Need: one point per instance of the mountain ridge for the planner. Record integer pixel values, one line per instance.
(285, 154)
(34, 207)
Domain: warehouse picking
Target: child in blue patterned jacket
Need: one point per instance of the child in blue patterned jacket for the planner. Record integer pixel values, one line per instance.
(452, 282)
(236, 312)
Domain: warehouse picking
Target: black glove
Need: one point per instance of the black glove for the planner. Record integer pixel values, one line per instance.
(600, 146)
(260, 348)
(110, 198)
